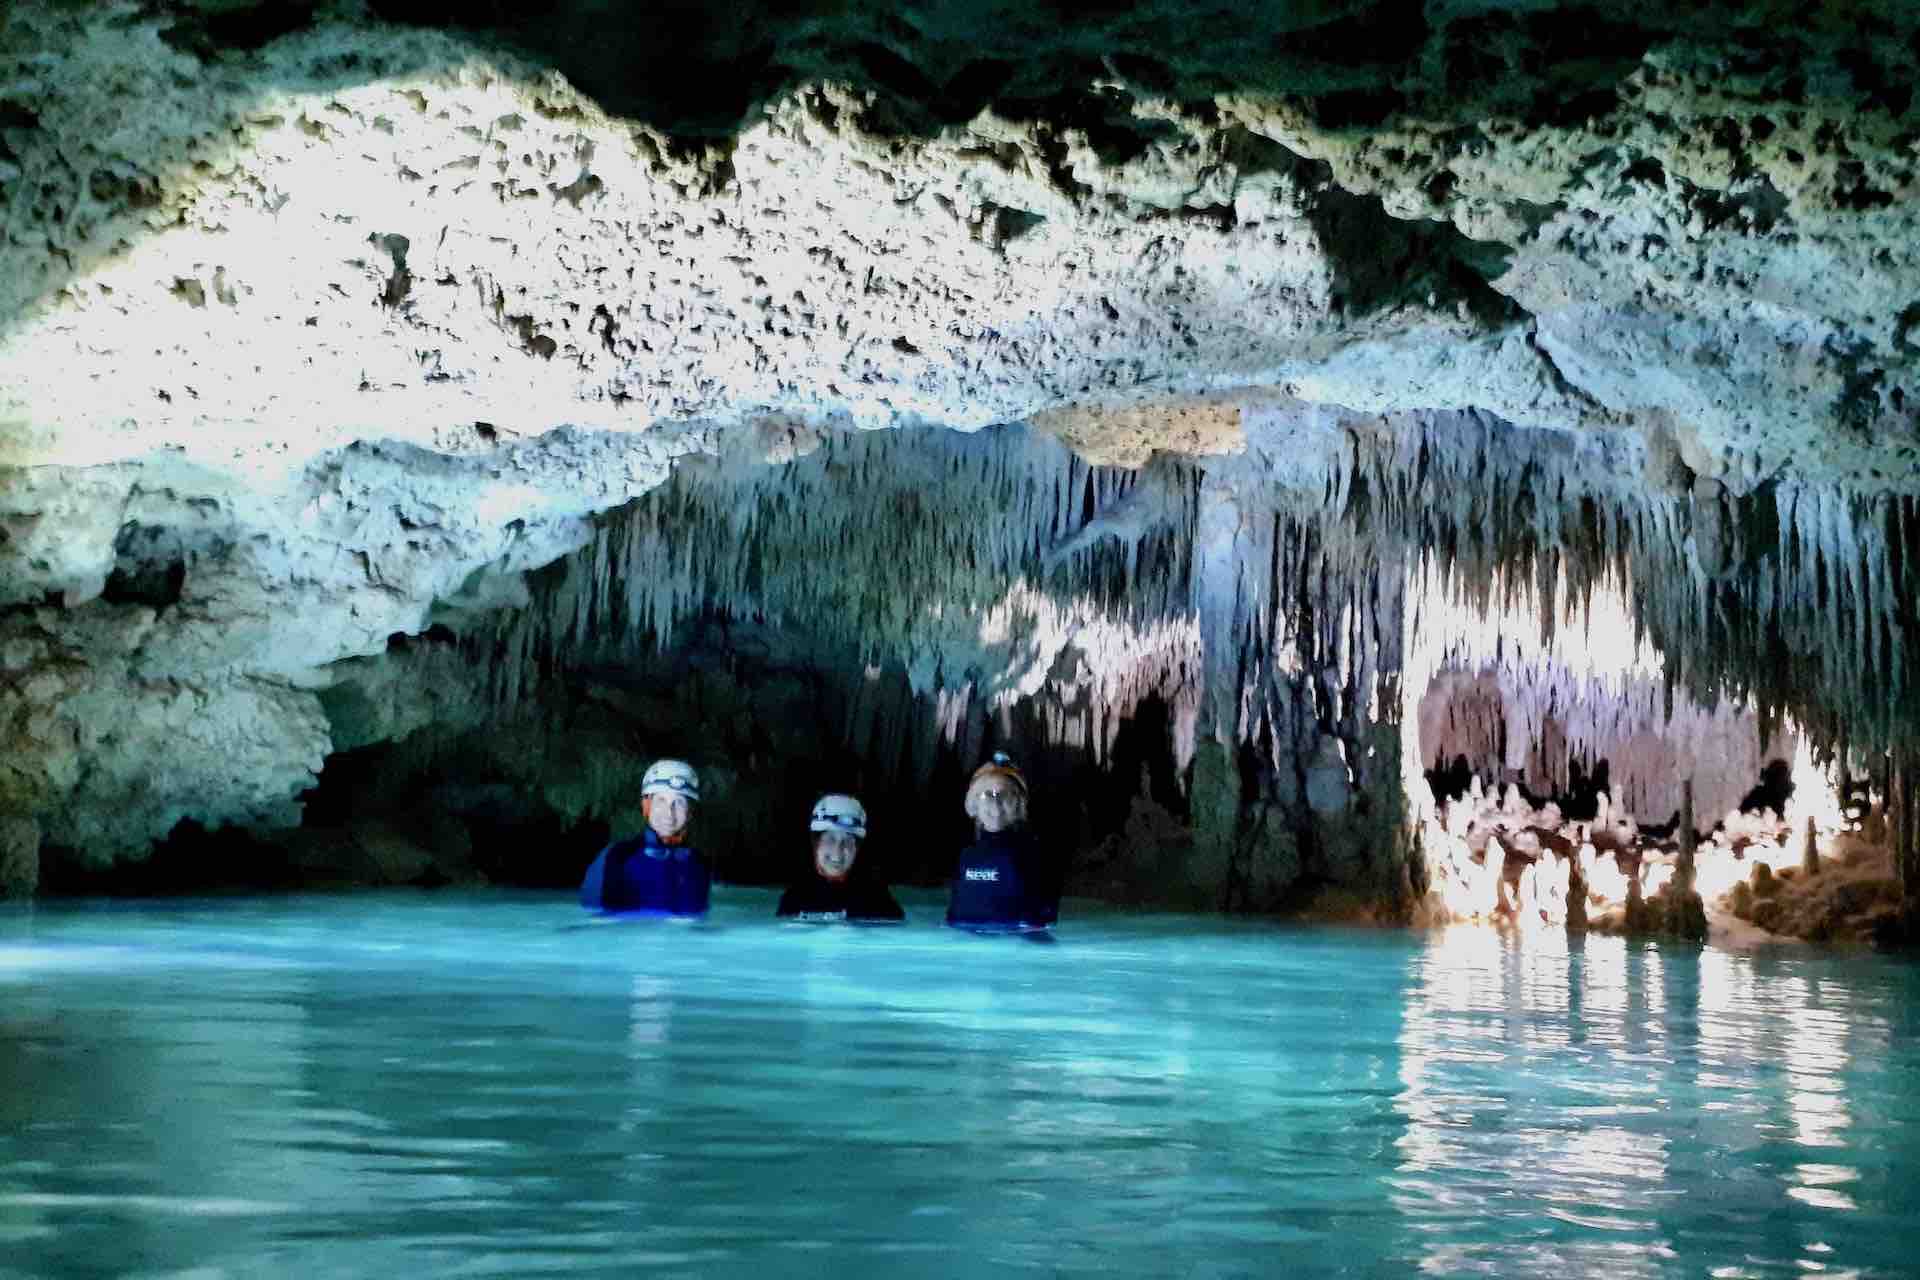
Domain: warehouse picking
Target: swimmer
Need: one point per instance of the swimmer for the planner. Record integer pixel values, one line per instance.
(1003, 881)
(832, 891)
(656, 873)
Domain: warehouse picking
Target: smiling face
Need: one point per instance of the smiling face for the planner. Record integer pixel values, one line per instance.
(996, 803)
(834, 852)
(668, 813)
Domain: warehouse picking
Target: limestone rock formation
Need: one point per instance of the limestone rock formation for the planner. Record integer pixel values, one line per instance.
(323, 324)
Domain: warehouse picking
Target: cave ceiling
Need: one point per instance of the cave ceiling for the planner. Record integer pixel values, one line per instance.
(245, 226)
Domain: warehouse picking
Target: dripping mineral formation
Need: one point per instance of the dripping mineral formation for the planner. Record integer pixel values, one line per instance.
(1240, 416)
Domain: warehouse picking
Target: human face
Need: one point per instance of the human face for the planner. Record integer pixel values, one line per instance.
(833, 853)
(997, 804)
(667, 814)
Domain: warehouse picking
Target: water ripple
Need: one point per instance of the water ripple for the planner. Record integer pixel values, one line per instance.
(471, 1085)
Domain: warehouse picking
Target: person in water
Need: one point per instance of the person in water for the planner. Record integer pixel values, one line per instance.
(833, 892)
(656, 873)
(1003, 881)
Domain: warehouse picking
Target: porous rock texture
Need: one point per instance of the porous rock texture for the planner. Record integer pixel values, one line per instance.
(320, 322)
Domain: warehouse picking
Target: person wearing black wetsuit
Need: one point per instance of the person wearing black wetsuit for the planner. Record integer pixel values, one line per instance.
(1004, 881)
(656, 873)
(833, 892)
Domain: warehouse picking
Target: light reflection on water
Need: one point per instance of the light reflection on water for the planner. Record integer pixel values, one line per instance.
(481, 1085)
(1606, 1107)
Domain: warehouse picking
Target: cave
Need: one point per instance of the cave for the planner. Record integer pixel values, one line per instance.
(1250, 408)
(1404, 466)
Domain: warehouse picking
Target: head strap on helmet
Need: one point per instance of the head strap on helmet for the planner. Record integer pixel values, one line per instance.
(670, 777)
(837, 812)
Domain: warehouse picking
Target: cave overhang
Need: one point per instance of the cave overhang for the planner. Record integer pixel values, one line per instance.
(319, 322)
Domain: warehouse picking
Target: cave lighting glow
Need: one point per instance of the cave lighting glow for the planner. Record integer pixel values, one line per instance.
(1579, 674)
(1580, 671)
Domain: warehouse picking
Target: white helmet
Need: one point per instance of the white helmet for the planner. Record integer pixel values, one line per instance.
(671, 777)
(838, 813)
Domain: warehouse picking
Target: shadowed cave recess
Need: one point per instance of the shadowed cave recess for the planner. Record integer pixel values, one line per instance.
(1379, 461)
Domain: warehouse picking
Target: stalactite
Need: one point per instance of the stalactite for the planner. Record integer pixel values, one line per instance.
(974, 562)
(1806, 617)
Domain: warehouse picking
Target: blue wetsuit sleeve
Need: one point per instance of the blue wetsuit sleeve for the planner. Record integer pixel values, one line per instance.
(593, 887)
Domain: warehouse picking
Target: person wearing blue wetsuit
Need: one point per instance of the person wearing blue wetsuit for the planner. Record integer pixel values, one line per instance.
(656, 873)
(833, 892)
(1003, 882)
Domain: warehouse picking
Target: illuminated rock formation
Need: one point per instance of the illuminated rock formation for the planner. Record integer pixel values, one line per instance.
(1551, 364)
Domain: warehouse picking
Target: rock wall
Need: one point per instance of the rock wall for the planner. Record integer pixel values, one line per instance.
(168, 624)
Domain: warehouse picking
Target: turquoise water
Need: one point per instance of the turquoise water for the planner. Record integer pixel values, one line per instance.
(482, 1085)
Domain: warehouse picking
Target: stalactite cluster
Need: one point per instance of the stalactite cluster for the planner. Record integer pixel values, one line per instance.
(1794, 599)
(1517, 704)
(1626, 611)
(1284, 595)
(994, 567)
(1582, 598)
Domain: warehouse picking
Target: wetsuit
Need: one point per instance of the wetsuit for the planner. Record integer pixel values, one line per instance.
(646, 876)
(1003, 882)
(820, 899)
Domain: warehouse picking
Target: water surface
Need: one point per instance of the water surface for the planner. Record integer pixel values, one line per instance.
(483, 1085)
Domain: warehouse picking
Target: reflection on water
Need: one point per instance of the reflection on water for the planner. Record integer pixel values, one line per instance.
(482, 1085)
(1612, 1107)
